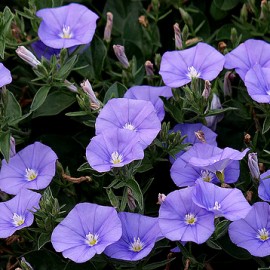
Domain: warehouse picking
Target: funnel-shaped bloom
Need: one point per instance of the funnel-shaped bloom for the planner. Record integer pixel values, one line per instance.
(67, 26)
(180, 219)
(17, 212)
(257, 81)
(225, 202)
(195, 133)
(87, 230)
(178, 68)
(138, 239)
(5, 77)
(152, 94)
(252, 232)
(135, 115)
(113, 148)
(184, 174)
(264, 186)
(31, 168)
(246, 55)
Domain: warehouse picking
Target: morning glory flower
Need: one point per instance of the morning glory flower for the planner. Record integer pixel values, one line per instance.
(212, 158)
(138, 239)
(31, 168)
(87, 230)
(264, 186)
(223, 202)
(178, 68)
(66, 26)
(135, 115)
(113, 148)
(252, 232)
(246, 55)
(151, 93)
(257, 81)
(5, 77)
(195, 133)
(185, 174)
(17, 212)
(180, 219)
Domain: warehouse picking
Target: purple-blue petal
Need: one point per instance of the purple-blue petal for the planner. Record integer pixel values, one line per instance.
(5, 77)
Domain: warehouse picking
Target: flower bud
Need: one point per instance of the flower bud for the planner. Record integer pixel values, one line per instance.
(25, 265)
(177, 36)
(12, 149)
(244, 13)
(186, 17)
(143, 21)
(253, 165)
(206, 90)
(120, 54)
(27, 56)
(161, 198)
(87, 88)
(227, 85)
(149, 68)
(200, 136)
(131, 201)
(108, 27)
(70, 86)
(264, 10)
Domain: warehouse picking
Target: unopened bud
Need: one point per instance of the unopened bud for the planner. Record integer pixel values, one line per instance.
(207, 89)
(70, 86)
(27, 56)
(234, 36)
(149, 68)
(227, 85)
(26, 265)
(161, 198)
(253, 165)
(12, 149)
(108, 27)
(87, 88)
(177, 36)
(244, 13)
(143, 21)
(249, 195)
(131, 201)
(264, 9)
(222, 46)
(185, 33)
(186, 17)
(247, 138)
(120, 54)
(200, 136)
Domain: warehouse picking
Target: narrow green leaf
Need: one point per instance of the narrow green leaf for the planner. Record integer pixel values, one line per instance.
(221, 228)
(212, 244)
(113, 198)
(5, 144)
(136, 190)
(266, 125)
(117, 90)
(43, 239)
(12, 109)
(40, 97)
(156, 265)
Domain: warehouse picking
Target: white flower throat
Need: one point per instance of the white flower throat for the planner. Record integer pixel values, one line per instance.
(116, 158)
(30, 174)
(129, 126)
(193, 73)
(66, 32)
(137, 245)
(91, 239)
(263, 234)
(17, 220)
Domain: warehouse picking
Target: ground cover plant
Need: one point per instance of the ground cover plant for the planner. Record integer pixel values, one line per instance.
(134, 134)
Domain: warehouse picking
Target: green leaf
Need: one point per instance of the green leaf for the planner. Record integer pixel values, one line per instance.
(113, 198)
(55, 103)
(219, 111)
(12, 109)
(266, 125)
(93, 59)
(2, 47)
(117, 90)
(212, 244)
(40, 97)
(221, 228)
(226, 5)
(175, 112)
(5, 144)
(156, 265)
(43, 239)
(84, 167)
(67, 67)
(137, 193)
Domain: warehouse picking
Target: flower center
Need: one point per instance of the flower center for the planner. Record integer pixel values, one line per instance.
(129, 126)
(193, 73)
(66, 32)
(263, 234)
(30, 174)
(91, 239)
(217, 206)
(190, 219)
(116, 158)
(207, 176)
(17, 220)
(137, 245)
